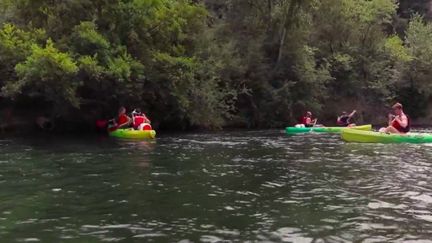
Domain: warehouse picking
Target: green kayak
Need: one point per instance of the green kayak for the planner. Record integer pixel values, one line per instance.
(296, 130)
(379, 137)
(133, 134)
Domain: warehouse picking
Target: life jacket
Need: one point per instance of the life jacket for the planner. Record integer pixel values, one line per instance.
(138, 120)
(401, 129)
(304, 121)
(122, 119)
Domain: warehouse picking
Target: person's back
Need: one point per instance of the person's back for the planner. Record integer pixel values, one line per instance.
(123, 120)
(140, 120)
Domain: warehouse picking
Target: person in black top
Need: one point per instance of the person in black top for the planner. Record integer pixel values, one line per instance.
(346, 119)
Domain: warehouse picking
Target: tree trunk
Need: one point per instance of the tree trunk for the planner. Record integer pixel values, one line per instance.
(270, 7)
(281, 46)
(286, 24)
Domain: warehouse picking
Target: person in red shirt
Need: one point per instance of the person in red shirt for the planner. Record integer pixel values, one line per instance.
(307, 120)
(123, 120)
(140, 120)
(398, 122)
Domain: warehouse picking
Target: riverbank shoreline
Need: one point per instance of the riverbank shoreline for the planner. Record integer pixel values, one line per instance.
(27, 122)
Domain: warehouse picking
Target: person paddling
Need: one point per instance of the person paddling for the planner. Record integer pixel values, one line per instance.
(123, 121)
(345, 119)
(140, 120)
(307, 120)
(398, 122)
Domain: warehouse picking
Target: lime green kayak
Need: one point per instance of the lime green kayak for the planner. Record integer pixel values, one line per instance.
(379, 137)
(295, 130)
(133, 134)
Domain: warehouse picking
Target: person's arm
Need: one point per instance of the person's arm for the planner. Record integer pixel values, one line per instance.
(146, 120)
(339, 121)
(352, 113)
(391, 118)
(403, 121)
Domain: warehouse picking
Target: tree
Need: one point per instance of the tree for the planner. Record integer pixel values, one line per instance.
(137, 53)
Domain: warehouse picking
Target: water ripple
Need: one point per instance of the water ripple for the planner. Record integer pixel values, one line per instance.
(211, 187)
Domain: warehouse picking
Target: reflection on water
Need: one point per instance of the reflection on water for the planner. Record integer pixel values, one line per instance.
(257, 186)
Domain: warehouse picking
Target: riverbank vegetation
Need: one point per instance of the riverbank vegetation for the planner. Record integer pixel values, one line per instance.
(213, 63)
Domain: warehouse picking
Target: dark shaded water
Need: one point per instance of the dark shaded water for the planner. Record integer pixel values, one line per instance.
(232, 186)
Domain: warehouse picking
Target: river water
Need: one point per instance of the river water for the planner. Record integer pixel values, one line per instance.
(260, 186)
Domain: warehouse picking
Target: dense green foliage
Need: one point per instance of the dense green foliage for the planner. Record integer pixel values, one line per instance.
(209, 63)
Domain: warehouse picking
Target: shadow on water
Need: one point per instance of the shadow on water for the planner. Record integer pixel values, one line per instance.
(233, 186)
